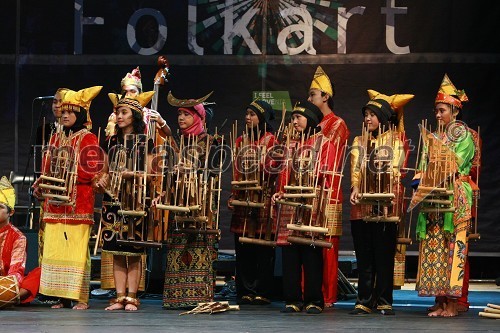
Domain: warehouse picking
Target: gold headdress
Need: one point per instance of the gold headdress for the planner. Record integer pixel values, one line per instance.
(136, 103)
(186, 102)
(7, 193)
(133, 79)
(396, 102)
(321, 81)
(448, 94)
(74, 100)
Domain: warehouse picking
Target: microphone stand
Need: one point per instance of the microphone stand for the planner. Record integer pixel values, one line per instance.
(32, 147)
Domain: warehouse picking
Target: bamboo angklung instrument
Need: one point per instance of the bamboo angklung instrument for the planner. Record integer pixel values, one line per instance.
(133, 194)
(251, 185)
(437, 180)
(60, 171)
(379, 176)
(301, 192)
(192, 188)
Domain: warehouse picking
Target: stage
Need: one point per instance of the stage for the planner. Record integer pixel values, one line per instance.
(411, 316)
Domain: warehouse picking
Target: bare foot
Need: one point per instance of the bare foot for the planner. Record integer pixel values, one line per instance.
(130, 307)
(57, 306)
(115, 306)
(462, 308)
(451, 310)
(81, 306)
(436, 313)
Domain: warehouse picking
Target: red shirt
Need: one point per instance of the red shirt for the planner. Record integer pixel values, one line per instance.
(13, 251)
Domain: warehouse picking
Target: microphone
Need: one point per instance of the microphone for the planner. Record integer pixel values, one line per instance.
(44, 97)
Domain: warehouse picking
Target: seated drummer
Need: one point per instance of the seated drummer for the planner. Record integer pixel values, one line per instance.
(13, 247)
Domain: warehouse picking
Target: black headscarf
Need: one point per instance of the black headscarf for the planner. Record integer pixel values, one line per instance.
(81, 119)
(265, 113)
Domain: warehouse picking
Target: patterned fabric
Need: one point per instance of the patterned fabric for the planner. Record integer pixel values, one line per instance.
(399, 265)
(13, 252)
(443, 252)
(107, 277)
(13, 260)
(112, 227)
(189, 274)
(66, 261)
(441, 261)
(82, 212)
(334, 128)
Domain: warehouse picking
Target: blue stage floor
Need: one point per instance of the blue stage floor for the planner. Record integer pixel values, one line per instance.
(411, 316)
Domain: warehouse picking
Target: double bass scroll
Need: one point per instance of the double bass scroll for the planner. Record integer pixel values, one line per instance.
(157, 220)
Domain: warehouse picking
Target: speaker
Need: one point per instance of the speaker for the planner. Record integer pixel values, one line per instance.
(31, 249)
(155, 270)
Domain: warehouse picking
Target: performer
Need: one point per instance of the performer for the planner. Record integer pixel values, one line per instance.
(306, 260)
(66, 257)
(375, 241)
(126, 258)
(131, 85)
(43, 134)
(189, 273)
(443, 235)
(254, 262)
(333, 127)
(13, 247)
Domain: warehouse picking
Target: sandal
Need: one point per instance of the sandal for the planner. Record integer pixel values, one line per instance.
(291, 308)
(81, 306)
(115, 301)
(260, 300)
(313, 309)
(247, 299)
(360, 310)
(386, 310)
(131, 301)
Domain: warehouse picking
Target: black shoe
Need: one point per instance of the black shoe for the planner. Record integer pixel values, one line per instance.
(260, 300)
(497, 281)
(360, 310)
(314, 309)
(291, 308)
(247, 299)
(386, 310)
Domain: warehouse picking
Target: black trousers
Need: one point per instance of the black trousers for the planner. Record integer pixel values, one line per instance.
(298, 258)
(375, 246)
(254, 269)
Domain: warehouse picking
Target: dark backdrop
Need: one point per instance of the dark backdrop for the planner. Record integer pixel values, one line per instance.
(39, 55)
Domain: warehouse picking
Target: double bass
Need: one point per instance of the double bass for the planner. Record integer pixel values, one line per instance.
(158, 219)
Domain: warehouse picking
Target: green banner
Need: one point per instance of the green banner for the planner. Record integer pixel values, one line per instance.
(275, 99)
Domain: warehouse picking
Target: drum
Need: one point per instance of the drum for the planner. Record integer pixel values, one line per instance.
(9, 291)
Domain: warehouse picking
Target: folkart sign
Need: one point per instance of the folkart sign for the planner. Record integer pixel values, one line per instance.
(247, 27)
(278, 27)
